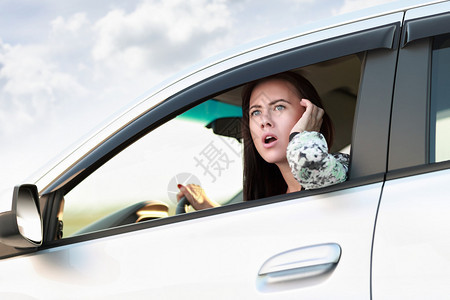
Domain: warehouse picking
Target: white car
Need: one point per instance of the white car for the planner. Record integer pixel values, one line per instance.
(102, 223)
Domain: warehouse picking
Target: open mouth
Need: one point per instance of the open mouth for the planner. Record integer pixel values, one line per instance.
(269, 139)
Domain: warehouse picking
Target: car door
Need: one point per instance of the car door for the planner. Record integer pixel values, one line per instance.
(411, 258)
(310, 244)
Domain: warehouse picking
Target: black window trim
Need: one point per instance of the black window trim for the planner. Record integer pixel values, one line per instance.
(424, 27)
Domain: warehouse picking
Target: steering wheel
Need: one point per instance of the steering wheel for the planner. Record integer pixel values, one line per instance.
(182, 206)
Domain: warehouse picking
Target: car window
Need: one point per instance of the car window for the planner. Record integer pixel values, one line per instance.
(201, 146)
(440, 101)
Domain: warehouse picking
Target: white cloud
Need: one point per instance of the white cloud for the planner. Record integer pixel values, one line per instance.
(160, 35)
(31, 83)
(73, 24)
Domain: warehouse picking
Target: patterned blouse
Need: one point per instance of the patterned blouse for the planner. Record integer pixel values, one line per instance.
(311, 164)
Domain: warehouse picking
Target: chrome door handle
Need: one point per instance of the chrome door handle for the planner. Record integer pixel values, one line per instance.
(301, 262)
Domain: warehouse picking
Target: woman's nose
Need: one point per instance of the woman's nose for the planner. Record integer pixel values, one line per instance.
(266, 121)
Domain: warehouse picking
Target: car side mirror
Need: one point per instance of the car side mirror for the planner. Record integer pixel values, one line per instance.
(22, 226)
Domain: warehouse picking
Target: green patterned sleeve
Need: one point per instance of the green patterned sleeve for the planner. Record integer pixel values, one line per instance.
(312, 165)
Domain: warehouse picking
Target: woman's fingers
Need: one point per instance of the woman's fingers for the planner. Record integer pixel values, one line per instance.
(193, 193)
(319, 118)
(315, 116)
(182, 193)
(311, 119)
(196, 196)
(179, 196)
(320, 113)
(186, 191)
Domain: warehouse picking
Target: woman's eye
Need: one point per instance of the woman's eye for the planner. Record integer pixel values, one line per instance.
(280, 107)
(255, 113)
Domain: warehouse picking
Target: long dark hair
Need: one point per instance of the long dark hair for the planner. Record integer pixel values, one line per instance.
(263, 179)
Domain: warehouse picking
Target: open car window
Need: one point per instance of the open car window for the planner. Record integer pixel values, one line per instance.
(202, 146)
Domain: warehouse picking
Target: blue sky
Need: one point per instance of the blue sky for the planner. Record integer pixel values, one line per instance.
(66, 65)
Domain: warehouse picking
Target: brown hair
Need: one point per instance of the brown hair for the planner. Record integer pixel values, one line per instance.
(263, 179)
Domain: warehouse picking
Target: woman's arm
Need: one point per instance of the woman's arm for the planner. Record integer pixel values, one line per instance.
(310, 162)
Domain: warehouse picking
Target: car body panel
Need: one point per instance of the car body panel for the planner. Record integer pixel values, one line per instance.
(209, 258)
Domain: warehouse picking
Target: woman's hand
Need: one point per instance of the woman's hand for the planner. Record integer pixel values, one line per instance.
(196, 196)
(311, 119)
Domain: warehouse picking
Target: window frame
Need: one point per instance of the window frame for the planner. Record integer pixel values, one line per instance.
(380, 42)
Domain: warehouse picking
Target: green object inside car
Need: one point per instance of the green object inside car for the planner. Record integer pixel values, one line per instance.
(223, 118)
(211, 110)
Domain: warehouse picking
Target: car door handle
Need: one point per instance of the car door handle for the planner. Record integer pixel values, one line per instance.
(301, 263)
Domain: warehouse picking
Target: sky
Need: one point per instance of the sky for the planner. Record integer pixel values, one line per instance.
(65, 66)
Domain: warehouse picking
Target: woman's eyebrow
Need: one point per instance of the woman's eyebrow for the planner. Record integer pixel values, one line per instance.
(270, 103)
(254, 106)
(278, 100)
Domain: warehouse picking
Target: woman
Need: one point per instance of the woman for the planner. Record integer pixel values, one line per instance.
(286, 137)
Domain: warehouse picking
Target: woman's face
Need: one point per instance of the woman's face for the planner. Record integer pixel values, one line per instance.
(274, 109)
